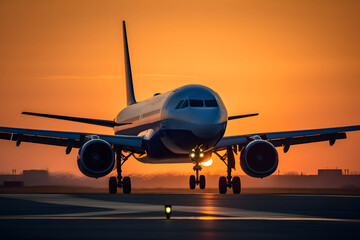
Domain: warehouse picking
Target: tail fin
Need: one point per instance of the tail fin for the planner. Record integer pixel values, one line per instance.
(129, 83)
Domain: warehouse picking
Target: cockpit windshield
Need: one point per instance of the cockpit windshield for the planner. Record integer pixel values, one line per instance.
(197, 103)
(179, 104)
(211, 103)
(185, 104)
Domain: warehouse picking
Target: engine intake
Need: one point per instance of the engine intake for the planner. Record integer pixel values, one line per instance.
(96, 158)
(259, 159)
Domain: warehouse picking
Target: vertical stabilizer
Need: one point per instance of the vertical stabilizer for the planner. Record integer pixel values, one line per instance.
(129, 82)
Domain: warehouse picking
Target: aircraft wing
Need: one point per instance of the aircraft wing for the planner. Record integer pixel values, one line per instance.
(288, 138)
(72, 139)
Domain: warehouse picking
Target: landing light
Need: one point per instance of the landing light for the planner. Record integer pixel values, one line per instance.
(192, 155)
(207, 163)
(201, 155)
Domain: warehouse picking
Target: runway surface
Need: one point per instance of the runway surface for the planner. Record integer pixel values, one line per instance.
(194, 216)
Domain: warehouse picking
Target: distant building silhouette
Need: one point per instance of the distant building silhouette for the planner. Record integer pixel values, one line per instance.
(329, 172)
(326, 178)
(28, 178)
(36, 177)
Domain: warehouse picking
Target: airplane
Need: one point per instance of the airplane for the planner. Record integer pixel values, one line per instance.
(184, 125)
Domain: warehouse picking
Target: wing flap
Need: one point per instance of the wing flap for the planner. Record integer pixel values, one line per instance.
(300, 133)
(60, 138)
(5, 136)
(288, 138)
(47, 140)
(308, 139)
(45, 133)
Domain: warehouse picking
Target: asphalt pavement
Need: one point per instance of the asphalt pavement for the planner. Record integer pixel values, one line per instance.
(194, 216)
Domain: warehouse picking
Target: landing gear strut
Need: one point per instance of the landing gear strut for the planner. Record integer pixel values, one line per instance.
(196, 180)
(196, 155)
(229, 181)
(119, 181)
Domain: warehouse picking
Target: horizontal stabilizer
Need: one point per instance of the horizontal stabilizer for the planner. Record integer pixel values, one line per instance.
(105, 123)
(242, 116)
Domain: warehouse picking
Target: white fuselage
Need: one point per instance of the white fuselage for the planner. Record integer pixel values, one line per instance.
(174, 122)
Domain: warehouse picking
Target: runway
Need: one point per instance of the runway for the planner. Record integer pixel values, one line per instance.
(210, 216)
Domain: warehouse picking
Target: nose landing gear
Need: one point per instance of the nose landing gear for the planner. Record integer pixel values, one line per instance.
(119, 181)
(196, 180)
(196, 155)
(229, 181)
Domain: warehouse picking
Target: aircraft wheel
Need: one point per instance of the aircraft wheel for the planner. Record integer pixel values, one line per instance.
(236, 185)
(126, 185)
(222, 185)
(192, 182)
(202, 182)
(112, 185)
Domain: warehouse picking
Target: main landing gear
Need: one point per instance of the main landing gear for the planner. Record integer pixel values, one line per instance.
(197, 154)
(229, 181)
(119, 181)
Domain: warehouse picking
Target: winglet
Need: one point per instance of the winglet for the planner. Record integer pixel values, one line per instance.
(129, 82)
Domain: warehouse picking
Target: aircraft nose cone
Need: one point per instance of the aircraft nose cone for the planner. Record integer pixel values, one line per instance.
(207, 130)
(207, 125)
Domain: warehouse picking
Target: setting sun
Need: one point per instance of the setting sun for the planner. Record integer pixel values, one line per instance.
(207, 163)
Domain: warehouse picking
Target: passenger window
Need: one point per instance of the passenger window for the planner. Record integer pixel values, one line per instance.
(211, 103)
(196, 103)
(179, 104)
(185, 104)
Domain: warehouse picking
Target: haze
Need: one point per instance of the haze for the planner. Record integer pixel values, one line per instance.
(297, 63)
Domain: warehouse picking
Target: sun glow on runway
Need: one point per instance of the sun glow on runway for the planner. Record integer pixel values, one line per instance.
(207, 163)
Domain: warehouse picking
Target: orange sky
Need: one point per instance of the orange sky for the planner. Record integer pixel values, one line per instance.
(297, 63)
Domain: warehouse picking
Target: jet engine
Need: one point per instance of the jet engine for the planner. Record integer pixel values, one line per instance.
(96, 158)
(259, 159)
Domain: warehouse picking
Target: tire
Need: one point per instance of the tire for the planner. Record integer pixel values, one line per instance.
(236, 185)
(202, 182)
(192, 182)
(126, 185)
(113, 185)
(222, 185)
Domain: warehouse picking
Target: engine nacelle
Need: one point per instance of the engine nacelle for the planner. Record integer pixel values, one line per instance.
(96, 158)
(259, 159)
